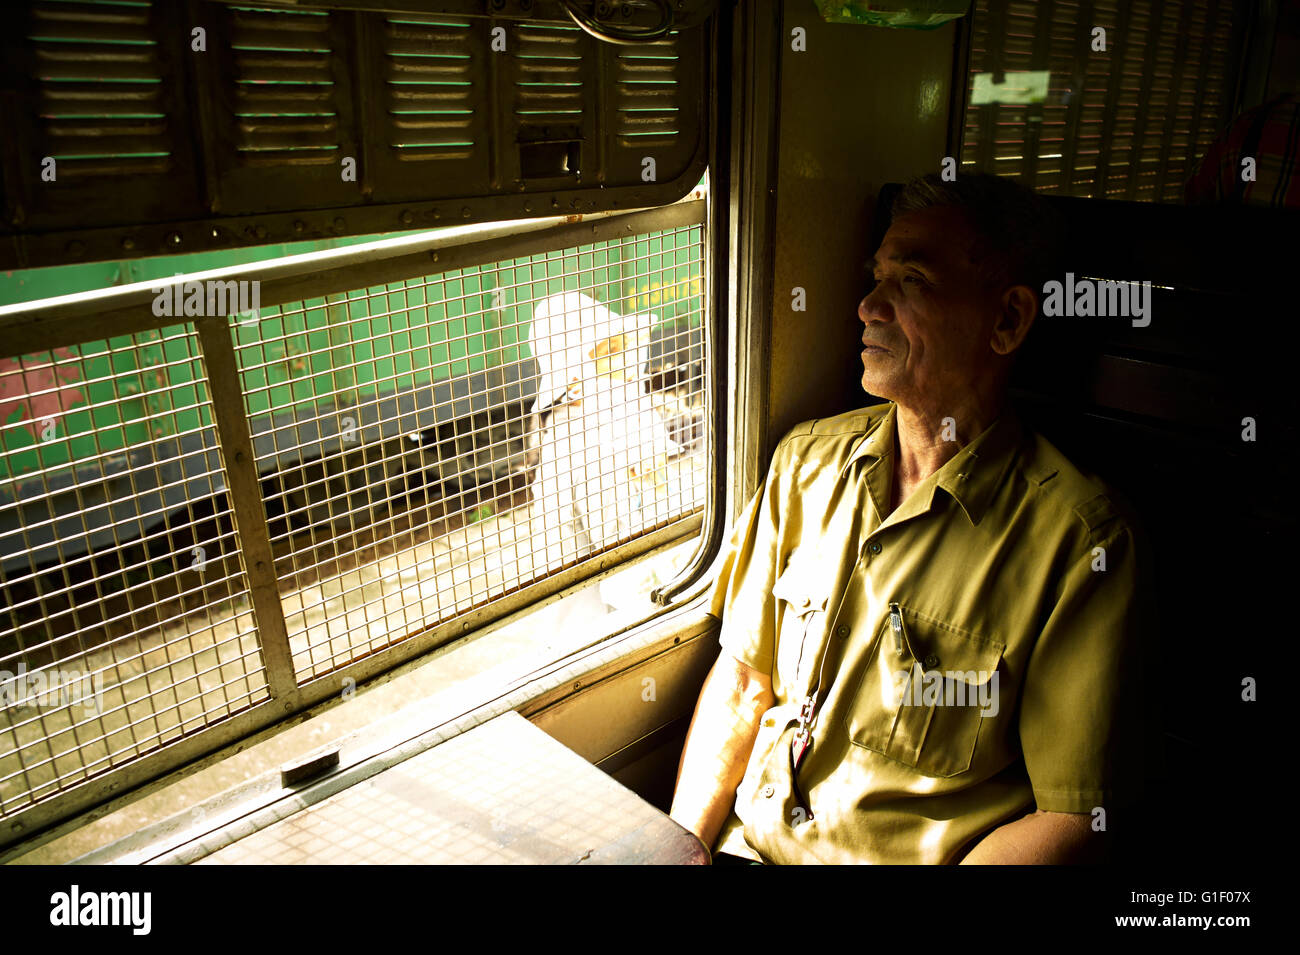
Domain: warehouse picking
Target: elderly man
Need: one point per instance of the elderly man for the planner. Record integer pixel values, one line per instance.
(927, 612)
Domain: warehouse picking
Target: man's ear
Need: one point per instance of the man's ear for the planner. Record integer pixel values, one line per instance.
(1018, 309)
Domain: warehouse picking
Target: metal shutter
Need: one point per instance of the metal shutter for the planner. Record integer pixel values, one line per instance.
(1127, 123)
(160, 148)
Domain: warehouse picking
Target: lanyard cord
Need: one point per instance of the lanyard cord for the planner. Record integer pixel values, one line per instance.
(802, 740)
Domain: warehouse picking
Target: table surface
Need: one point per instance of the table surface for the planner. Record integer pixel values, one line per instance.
(503, 792)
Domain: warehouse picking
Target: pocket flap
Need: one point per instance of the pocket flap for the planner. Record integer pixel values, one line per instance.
(956, 654)
(800, 587)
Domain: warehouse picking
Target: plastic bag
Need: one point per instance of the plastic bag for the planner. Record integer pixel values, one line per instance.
(908, 14)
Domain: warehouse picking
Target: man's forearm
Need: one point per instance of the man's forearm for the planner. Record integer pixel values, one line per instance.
(718, 745)
(1040, 838)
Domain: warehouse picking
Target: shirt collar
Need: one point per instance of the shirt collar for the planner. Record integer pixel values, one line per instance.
(973, 474)
(877, 443)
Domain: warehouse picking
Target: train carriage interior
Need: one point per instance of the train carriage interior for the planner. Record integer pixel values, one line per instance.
(380, 381)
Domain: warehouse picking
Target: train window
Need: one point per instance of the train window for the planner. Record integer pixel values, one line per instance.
(237, 490)
(1048, 105)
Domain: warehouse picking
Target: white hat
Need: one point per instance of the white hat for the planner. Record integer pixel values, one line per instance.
(572, 336)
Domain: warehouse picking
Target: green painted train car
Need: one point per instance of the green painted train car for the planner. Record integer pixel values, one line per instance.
(448, 347)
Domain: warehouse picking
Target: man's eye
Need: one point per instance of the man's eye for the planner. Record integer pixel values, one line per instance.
(914, 279)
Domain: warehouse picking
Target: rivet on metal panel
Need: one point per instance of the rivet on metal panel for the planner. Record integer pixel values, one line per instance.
(76, 247)
(173, 238)
(239, 457)
(339, 224)
(464, 211)
(434, 255)
(128, 244)
(299, 225)
(528, 206)
(261, 566)
(406, 216)
(437, 214)
(260, 232)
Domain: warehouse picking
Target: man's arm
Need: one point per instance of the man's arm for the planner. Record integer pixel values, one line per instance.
(718, 745)
(1040, 838)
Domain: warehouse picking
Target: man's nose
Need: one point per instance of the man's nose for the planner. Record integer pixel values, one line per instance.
(874, 307)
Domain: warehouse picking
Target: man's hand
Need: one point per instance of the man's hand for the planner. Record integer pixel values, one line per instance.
(718, 745)
(1041, 838)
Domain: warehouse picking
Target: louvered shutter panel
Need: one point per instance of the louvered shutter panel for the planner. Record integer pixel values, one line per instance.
(1128, 123)
(282, 117)
(428, 88)
(97, 115)
(163, 148)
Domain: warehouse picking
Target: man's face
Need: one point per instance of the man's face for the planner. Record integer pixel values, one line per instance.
(929, 320)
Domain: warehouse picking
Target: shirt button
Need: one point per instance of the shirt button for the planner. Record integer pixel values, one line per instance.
(768, 791)
(931, 661)
(874, 547)
(841, 631)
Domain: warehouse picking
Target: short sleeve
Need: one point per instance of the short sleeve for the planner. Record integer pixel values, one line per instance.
(1080, 719)
(742, 593)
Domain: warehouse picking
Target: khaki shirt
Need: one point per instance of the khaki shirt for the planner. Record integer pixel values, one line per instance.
(969, 651)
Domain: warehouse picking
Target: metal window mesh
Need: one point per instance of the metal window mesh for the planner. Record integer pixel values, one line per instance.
(124, 623)
(432, 475)
(422, 448)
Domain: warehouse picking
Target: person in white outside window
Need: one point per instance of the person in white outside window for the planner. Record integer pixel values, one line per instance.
(602, 445)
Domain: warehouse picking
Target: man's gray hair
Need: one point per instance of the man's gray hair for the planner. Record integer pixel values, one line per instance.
(1018, 236)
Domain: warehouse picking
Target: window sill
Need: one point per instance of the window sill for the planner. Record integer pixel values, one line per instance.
(389, 719)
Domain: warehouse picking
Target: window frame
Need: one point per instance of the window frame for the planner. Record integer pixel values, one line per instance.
(85, 316)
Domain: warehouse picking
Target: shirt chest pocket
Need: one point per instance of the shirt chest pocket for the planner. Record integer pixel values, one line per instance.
(925, 692)
(801, 609)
